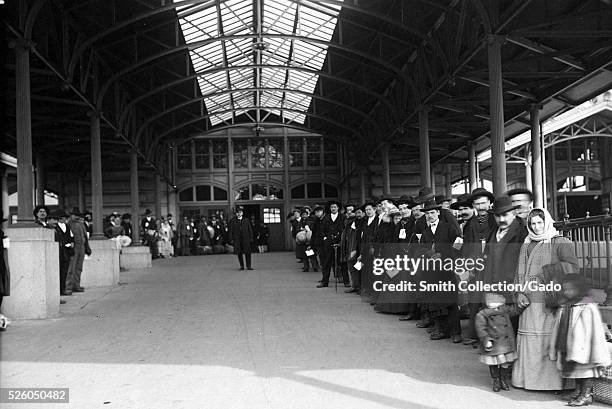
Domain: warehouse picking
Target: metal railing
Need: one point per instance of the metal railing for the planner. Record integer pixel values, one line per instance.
(591, 238)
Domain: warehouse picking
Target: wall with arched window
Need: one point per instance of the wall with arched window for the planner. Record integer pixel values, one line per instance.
(202, 193)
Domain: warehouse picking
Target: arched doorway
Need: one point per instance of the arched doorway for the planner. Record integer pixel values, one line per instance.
(263, 202)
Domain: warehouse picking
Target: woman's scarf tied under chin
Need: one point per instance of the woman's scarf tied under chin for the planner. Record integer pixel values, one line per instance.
(540, 254)
(549, 228)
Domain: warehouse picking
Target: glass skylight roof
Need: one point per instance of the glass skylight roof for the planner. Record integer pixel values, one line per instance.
(236, 76)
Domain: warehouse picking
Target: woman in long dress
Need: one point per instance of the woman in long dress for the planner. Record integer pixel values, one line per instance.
(166, 249)
(543, 249)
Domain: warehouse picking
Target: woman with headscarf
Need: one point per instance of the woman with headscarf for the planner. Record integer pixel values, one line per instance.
(544, 250)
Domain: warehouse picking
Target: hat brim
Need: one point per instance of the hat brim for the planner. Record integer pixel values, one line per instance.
(436, 207)
(489, 195)
(457, 205)
(505, 209)
(423, 199)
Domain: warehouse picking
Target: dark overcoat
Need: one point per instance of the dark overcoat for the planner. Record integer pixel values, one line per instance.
(240, 234)
(502, 257)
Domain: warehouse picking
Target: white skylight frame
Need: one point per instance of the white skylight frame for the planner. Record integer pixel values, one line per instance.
(287, 45)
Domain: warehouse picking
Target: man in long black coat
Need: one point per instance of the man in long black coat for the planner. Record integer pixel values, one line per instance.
(331, 230)
(240, 235)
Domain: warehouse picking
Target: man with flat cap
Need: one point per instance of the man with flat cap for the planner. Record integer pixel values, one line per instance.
(331, 230)
(240, 235)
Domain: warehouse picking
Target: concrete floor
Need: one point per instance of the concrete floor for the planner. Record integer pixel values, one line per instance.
(194, 332)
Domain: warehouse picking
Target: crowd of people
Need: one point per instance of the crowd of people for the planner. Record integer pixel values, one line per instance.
(537, 338)
(534, 338)
(190, 236)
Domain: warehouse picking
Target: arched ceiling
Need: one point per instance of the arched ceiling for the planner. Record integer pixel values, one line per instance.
(357, 71)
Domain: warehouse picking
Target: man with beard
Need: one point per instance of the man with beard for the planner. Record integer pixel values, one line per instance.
(331, 230)
(523, 198)
(475, 236)
(349, 242)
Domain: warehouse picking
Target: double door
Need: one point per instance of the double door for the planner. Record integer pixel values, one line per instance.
(272, 216)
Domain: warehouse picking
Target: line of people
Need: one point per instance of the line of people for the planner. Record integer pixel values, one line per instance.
(524, 338)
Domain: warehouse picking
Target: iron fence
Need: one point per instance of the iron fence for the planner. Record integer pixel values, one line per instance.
(591, 238)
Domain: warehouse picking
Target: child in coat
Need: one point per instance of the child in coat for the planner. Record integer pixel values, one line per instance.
(497, 340)
(578, 343)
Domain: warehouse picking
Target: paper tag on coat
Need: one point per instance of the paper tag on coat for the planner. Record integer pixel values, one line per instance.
(310, 252)
(147, 224)
(392, 273)
(353, 226)
(402, 234)
(6, 243)
(358, 265)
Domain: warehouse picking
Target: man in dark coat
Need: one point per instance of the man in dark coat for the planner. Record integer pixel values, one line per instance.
(126, 223)
(240, 234)
(437, 239)
(65, 238)
(148, 228)
(331, 230)
(349, 242)
(426, 195)
(504, 246)
(316, 241)
(369, 228)
(88, 223)
(475, 235)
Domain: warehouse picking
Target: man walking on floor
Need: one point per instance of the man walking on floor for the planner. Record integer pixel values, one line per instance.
(240, 235)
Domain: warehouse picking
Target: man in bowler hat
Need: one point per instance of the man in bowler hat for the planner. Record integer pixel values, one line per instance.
(240, 236)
